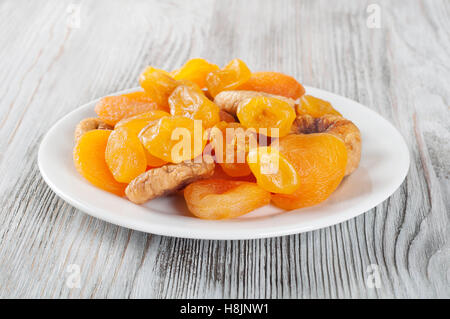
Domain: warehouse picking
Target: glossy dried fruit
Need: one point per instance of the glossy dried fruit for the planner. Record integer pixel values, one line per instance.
(319, 160)
(310, 105)
(266, 113)
(89, 160)
(231, 143)
(229, 100)
(220, 199)
(230, 77)
(273, 171)
(112, 109)
(158, 84)
(187, 102)
(125, 155)
(174, 139)
(274, 83)
(219, 173)
(137, 123)
(337, 126)
(195, 70)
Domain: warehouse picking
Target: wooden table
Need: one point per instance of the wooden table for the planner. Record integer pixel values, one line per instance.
(57, 55)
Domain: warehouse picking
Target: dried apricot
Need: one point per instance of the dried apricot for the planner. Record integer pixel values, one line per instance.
(231, 143)
(174, 139)
(272, 170)
(125, 155)
(230, 77)
(137, 124)
(158, 84)
(268, 113)
(226, 117)
(320, 160)
(195, 70)
(89, 160)
(112, 109)
(273, 83)
(219, 173)
(187, 102)
(220, 199)
(310, 105)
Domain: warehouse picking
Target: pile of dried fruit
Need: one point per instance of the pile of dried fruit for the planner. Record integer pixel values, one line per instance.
(233, 139)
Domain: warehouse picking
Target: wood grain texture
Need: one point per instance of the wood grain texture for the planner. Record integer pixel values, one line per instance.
(401, 70)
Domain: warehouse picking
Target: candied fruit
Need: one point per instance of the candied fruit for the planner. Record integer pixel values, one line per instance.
(310, 105)
(174, 139)
(112, 109)
(89, 160)
(187, 102)
(274, 83)
(158, 84)
(125, 155)
(195, 70)
(230, 77)
(266, 113)
(273, 171)
(220, 199)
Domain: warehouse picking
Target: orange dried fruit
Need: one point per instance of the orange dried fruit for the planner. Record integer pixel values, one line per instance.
(230, 77)
(315, 107)
(272, 170)
(174, 139)
(187, 102)
(89, 160)
(226, 117)
(266, 113)
(112, 109)
(231, 143)
(125, 155)
(273, 83)
(195, 70)
(320, 160)
(137, 123)
(219, 173)
(220, 199)
(158, 84)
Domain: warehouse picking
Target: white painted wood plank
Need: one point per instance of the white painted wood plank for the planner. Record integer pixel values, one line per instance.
(400, 70)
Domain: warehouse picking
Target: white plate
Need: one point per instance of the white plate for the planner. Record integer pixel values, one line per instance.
(383, 167)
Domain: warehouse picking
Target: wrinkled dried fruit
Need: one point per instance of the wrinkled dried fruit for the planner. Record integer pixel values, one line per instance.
(167, 179)
(174, 139)
(187, 102)
(89, 124)
(158, 84)
(112, 109)
(273, 171)
(195, 70)
(125, 155)
(89, 160)
(274, 83)
(310, 105)
(231, 143)
(230, 77)
(220, 199)
(319, 160)
(267, 113)
(137, 123)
